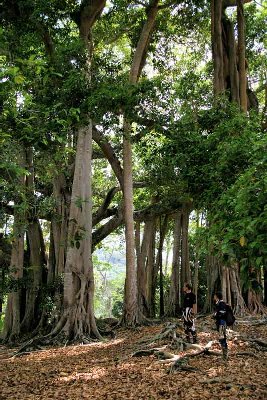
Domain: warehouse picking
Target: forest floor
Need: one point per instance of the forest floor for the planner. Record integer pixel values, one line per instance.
(107, 370)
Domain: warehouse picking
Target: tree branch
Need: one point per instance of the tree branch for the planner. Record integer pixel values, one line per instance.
(232, 3)
(90, 10)
(142, 45)
(109, 153)
(142, 215)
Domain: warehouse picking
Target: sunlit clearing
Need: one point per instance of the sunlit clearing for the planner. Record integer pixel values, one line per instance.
(95, 373)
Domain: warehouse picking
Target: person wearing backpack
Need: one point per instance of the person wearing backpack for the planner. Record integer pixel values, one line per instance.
(220, 317)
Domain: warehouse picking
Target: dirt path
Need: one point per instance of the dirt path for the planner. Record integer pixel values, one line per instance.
(107, 371)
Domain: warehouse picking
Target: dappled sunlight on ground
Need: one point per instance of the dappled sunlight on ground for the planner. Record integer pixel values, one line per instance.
(107, 371)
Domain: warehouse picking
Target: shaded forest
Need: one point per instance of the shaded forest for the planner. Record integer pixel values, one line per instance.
(142, 122)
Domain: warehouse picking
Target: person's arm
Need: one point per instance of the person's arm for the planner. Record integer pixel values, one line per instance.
(194, 308)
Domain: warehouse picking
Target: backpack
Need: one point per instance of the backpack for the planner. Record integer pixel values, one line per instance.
(229, 316)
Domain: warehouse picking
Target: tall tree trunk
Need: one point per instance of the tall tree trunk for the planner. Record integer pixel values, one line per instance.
(11, 331)
(238, 302)
(229, 64)
(231, 288)
(132, 314)
(59, 223)
(196, 263)
(185, 265)
(37, 260)
(142, 274)
(58, 242)
(217, 48)
(151, 272)
(174, 302)
(158, 265)
(36, 249)
(241, 55)
(231, 75)
(212, 279)
(161, 277)
(78, 321)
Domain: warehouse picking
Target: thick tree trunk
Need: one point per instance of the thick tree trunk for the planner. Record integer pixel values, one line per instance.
(131, 311)
(59, 223)
(217, 48)
(78, 320)
(238, 302)
(241, 55)
(142, 273)
(161, 277)
(231, 76)
(151, 272)
(255, 302)
(34, 275)
(36, 251)
(196, 264)
(11, 331)
(231, 288)
(185, 265)
(132, 314)
(174, 302)
(158, 266)
(212, 282)
(229, 63)
(58, 242)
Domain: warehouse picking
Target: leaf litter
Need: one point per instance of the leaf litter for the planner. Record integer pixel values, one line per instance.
(107, 370)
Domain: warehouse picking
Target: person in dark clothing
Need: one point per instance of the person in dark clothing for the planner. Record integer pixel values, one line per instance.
(189, 311)
(219, 317)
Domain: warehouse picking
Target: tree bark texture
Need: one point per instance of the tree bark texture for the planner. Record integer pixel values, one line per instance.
(229, 284)
(78, 277)
(185, 265)
(158, 265)
(59, 224)
(212, 281)
(151, 272)
(142, 270)
(241, 55)
(11, 331)
(217, 48)
(34, 275)
(174, 300)
(229, 61)
(132, 313)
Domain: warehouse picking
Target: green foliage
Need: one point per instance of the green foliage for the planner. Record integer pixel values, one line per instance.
(238, 232)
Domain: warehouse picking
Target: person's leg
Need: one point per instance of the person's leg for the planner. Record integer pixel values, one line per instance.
(187, 331)
(193, 331)
(187, 324)
(223, 339)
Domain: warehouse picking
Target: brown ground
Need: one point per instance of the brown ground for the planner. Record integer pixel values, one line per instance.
(107, 371)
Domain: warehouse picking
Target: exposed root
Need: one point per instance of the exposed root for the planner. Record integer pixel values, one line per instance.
(247, 353)
(148, 352)
(252, 322)
(168, 332)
